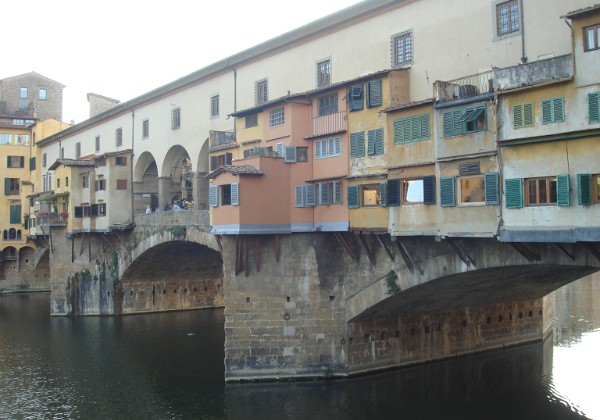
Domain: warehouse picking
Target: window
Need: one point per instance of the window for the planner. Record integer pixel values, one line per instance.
(15, 214)
(228, 195)
(118, 137)
(22, 139)
(507, 18)
(121, 160)
(329, 193)
(175, 118)
(323, 73)
(357, 144)
(465, 121)
(540, 191)
(145, 128)
(23, 95)
(42, 94)
(44, 160)
(77, 150)
(97, 143)
(261, 92)
(15, 162)
(301, 154)
(477, 189)
(375, 142)
(57, 182)
(100, 162)
(588, 189)
(251, 120)
(32, 164)
(328, 148)
(305, 195)
(85, 181)
(591, 38)
(402, 49)
(328, 104)
(371, 195)
(276, 117)
(100, 185)
(594, 107)
(220, 160)
(411, 191)
(553, 111)
(374, 97)
(66, 181)
(5, 138)
(552, 190)
(62, 152)
(11, 186)
(121, 184)
(523, 116)
(472, 190)
(412, 129)
(356, 98)
(214, 106)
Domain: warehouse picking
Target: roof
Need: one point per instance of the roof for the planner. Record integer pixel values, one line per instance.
(32, 73)
(409, 105)
(583, 12)
(71, 162)
(344, 18)
(236, 170)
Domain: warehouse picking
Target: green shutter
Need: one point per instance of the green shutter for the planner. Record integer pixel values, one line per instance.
(32, 164)
(393, 192)
(424, 121)
(383, 194)
(513, 191)
(558, 108)
(213, 196)
(584, 189)
(8, 161)
(357, 144)
(21, 161)
(528, 115)
(448, 124)
(594, 107)
(6, 186)
(371, 142)
(518, 116)
(563, 196)
(353, 202)
(379, 146)
(447, 197)
(15, 214)
(374, 93)
(429, 189)
(546, 111)
(492, 192)
(356, 96)
(401, 131)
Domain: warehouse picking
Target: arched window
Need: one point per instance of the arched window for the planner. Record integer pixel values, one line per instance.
(5, 234)
(19, 234)
(12, 233)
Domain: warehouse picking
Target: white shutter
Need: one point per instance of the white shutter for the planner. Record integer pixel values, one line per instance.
(290, 154)
(299, 196)
(337, 192)
(331, 148)
(337, 146)
(279, 149)
(310, 199)
(324, 193)
(213, 196)
(235, 194)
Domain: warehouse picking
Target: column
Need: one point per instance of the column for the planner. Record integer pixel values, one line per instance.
(200, 192)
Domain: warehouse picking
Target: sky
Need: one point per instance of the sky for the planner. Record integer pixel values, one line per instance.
(122, 49)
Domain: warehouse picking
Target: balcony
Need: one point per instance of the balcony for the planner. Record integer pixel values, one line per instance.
(534, 73)
(480, 84)
(221, 139)
(52, 219)
(329, 124)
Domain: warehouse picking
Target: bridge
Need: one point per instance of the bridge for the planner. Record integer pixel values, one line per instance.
(321, 304)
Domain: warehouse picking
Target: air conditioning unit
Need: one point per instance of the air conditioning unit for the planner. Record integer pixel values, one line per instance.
(465, 91)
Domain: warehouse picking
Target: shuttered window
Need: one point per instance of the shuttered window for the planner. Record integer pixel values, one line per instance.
(213, 196)
(513, 193)
(393, 192)
(523, 116)
(375, 140)
(15, 162)
(594, 107)
(328, 148)
(563, 190)
(492, 188)
(553, 111)
(353, 197)
(374, 93)
(447, 196)
(357, 99)
(383, 194)
(584, 189)
(465, 121)
(324, 193)
(412, 129)
(15, 214)
(304, 195)
(357, 144)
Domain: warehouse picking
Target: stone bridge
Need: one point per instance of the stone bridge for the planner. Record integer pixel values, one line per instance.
(321, 304)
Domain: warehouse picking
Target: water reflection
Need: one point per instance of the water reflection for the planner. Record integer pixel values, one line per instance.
(170, 365)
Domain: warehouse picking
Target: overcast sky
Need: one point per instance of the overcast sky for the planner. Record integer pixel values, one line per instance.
(122, 49)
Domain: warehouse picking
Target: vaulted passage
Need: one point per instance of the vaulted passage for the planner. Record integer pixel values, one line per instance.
(172, 276)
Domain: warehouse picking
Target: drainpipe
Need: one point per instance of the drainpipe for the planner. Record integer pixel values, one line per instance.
(523, 56)
(131, 164)
(572, 46)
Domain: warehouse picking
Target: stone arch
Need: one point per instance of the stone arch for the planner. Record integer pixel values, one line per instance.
(202, 163)
(176, 177)
(145, 182)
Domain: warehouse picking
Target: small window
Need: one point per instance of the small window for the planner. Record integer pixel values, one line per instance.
(472, 190)
(118, 137)
(11, 186)
(42, 94)
(121, 160)
(100, 185)
(175, 118)
(356, 97)
(594, 107)
(261, 92)
(323, 73)
(121, 184)
(412, 129)
(100, 162)
(464, 121)
(371, 195)
(301, 154)
(357, 144)
(146, 128)
(402, 49)
(97, 143)
(276, 117)
(228, 195)
(85, 181)
(540, 191)
(66, 181)
(77, 150)
(412, 191)
(553, 111)
(328, 104)
(591, 35)
(214, 106)
(596, 188)
(62, 152)
(507, 18)
(5, 138)
(374, 93)
(251, 120)
(328, 148)
(329, 193)
(24, 95)
(57, 182)
(15, 162)
(375, 144)
(523, 116)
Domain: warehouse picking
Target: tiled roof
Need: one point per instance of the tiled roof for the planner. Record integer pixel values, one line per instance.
(236, 170)
(581, 12)
(72, 162)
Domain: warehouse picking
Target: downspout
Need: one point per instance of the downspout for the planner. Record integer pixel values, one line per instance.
(572, 46)
(523, 56)
(131, 164)
(235, 102)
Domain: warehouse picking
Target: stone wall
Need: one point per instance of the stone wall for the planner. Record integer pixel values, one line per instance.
(22, 274)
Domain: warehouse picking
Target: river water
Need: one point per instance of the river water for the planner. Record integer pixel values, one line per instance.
(170, 366)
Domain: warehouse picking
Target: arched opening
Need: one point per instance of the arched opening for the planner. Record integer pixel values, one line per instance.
(177, 179)
(145, 184)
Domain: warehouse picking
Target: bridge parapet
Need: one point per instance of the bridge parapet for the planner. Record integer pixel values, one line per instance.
(198, 218)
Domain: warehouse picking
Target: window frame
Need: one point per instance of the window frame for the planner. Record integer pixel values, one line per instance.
(512, 7)
(412, 129)
(44, 96)
(277, 116)
(15, 162)
(376, 188)
(454, 122)
(324, 71)
(145, 128)
(328, 148)
(547, 180)
(119, 137)
(460, 199)
(586, 37)
(214, 106)
(328, 104)
(261, 92)
(176, 118)
(251, 120)
(12, 186)
(405, 39)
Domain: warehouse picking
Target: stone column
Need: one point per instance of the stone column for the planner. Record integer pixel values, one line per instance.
(139, 201)
(200, 191)
(164, 191)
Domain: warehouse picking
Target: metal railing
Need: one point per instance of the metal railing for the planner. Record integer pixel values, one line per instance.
(219, 138)
(331, 123)
(52, 219)
(464, 87)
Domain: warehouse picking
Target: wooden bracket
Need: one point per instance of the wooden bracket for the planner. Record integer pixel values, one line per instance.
(384, 246)
(592, 248)
(408, 260)
(565, 252)
(466, 258)
(342, 240)
(361, 240)
(527, 253)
